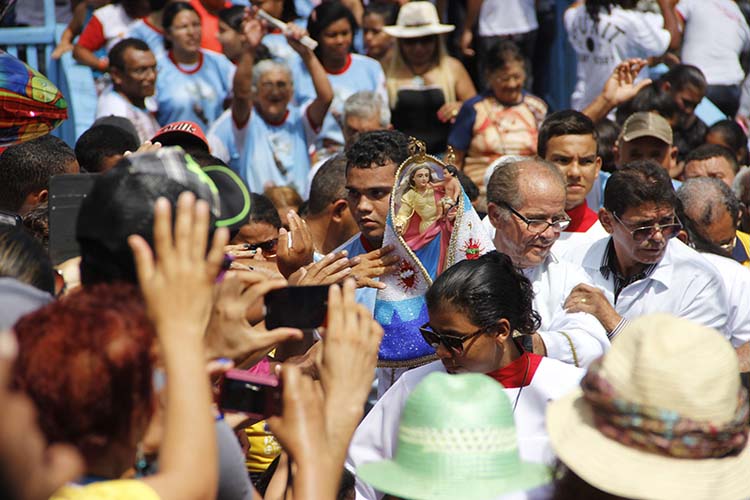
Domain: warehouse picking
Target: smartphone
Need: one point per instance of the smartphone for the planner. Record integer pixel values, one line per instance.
(257, 395)
(302, 307)
(66, 194)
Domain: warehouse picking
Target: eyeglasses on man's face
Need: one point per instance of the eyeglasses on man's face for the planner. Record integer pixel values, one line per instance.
(668, 227)
(538, 226)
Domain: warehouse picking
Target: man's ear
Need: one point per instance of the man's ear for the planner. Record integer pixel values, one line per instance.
(338, 209)
(665, 86)
(493, 212)
(683, 236)
(605, 218)
(116, 75)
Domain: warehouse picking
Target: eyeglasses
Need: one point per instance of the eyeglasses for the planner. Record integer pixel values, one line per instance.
(538, 226)
(422, 40)
(455, 344)
(667, 229)
(267, 247)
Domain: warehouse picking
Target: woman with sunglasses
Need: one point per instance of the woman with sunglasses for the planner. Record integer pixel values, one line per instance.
(475, 308)
(260, 233)
(426, 86)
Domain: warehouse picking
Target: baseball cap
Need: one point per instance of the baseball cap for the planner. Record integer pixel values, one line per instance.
(186, 134)
(646, 124)
(122, 124)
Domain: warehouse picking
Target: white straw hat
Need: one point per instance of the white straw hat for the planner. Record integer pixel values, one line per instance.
(417, 19)
(661, 416)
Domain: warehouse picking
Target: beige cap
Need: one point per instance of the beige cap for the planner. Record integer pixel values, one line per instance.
(646, 124)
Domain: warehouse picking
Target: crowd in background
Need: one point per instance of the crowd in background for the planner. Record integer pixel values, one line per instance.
(584, 329)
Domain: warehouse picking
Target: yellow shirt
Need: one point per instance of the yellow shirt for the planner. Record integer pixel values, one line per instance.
(120, 489)
(263, 447)
(421, 203)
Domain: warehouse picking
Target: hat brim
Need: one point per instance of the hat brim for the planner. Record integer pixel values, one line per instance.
(391, 478)
(234, 196)
(644, 133)
(627, 472)
(418, 31)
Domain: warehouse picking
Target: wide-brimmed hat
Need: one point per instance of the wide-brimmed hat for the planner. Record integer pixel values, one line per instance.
(417, 19)
(661, 416)
(456, 439)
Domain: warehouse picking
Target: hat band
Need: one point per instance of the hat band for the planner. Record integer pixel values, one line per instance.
(662, 431)
(476, 440)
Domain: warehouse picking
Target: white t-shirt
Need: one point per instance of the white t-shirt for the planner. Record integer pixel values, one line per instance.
(715, 34)
(600, 47)
(112, 103)
(507, 17)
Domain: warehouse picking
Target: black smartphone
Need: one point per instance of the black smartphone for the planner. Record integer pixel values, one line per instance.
(66, 194)
(257, 395)
(302, 307)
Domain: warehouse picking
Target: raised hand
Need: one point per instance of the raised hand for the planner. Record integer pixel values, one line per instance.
(292, 256)
(372, 265)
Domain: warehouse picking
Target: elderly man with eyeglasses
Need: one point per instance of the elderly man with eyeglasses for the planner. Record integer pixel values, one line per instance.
(526, 206)
(640, 268)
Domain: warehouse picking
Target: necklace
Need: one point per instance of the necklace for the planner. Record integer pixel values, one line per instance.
(523, 383)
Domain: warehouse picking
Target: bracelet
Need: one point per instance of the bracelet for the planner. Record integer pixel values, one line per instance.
(572, 349)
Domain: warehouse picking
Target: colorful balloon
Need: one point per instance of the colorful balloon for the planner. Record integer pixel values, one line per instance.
(30, 105)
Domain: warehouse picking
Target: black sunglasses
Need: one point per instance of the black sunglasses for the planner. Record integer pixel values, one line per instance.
(265, 246)
(455, 344)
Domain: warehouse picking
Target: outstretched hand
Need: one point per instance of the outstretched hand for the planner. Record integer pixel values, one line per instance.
(178, 277)
(621, 86)
(229, 333)
(295, 248)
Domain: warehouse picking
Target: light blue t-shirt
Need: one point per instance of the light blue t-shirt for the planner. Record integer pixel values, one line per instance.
(154, 38)
(276, 154)
(197, 95)
(221, 140)
(361, 73)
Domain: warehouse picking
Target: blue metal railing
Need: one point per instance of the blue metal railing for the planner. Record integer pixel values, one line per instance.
(34, 46)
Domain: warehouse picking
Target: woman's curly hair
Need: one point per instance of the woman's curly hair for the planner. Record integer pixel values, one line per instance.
(487, 290)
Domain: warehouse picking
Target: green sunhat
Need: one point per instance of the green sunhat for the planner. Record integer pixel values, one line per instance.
(456, 439)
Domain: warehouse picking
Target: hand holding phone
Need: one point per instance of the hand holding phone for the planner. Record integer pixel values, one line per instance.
(259, 396)
(302, 307)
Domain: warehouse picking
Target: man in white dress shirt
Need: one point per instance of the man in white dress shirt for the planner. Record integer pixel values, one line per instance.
(640, 269)
(526, 206)
(710, 213)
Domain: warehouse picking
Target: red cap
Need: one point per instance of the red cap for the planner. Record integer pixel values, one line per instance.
(181, 134)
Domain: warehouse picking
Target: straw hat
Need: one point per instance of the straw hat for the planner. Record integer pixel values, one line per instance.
(417, 19)
(456, 439)
(679, 380)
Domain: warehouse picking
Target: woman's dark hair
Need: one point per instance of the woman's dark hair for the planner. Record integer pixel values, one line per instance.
(734, 138)
(263, 210)
(232, 17)
(569, 486)
(593, 7)
(170, 12)
(388, 11)
(500, 55)
(23, 258)
(487, 289)
(326, 14)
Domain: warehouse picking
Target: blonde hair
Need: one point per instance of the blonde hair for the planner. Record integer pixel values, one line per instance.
(398, 73)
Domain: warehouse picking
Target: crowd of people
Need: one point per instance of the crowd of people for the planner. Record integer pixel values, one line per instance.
(519, 302)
